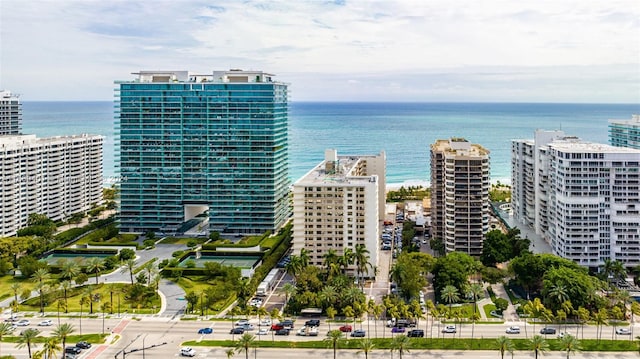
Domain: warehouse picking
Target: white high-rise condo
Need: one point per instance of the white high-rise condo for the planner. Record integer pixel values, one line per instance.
(10, 113)
(583, 198)
(339, 204)
(625, 133)
(460, 194)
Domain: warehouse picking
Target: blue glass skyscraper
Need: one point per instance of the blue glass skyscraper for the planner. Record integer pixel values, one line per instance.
(202, 151)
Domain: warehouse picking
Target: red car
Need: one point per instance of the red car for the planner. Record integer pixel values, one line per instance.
(277, 327)
(346, 328)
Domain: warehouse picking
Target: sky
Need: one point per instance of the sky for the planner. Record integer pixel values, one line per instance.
(582, 51)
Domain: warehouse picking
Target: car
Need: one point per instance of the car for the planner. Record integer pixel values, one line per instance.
(563, 334)
(246, 326)
(282, 332)
(69, 356)
(262, 331)
(312, 323)
(513, 330)
(547, 330)
(265, 322)
(358, 333)
(73, 350)
(287, 323)
(46, 323)
(241, 322)
(397, 330)
(256, 302)
(187, 352)
(449, 329)
(416, 333)
(237, 330)
(623, 331)
(83, 345)
(308, 331)
(12, 318)
(278, 326)
(346, 328)
(23, 322)
(205, 331)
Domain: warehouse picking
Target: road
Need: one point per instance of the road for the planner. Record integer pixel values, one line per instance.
(134, 334)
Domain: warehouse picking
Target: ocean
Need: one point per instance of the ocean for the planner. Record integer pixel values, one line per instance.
(403, 130)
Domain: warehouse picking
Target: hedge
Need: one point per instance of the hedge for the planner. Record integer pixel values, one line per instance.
(113, 244)
(112, 252)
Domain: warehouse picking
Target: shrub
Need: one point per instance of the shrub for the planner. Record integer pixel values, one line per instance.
(177, 254)
(126, 254)
(501, 304)
(192, 243)
(149, 243)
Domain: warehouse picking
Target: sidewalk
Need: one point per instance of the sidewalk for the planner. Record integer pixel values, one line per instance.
(510, 314)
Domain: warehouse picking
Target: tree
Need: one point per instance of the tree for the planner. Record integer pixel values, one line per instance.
(61, 332)
(65, 286)
(557, 294)
(126, 254)
(570, 344)
(401, 344)
(230, 352)
(27, 338)
(95, 265)
(583, 315)
(600, 317)
(539, 345)
(504, 345)
(450, 295)
(40, 276)
(331, 313)
(289, 290)
(50, 347)
(361, 258)
(5, 330)
(333, 340)
(245, 342)
(69, 270)
(129, 266)
(366, 346)
(453, 269)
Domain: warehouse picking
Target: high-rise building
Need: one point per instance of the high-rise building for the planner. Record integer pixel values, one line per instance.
(460, 194)
(338, 205)
(203, 151)
(56, 176)
(625, 133)
(586, 198)
(10, 114)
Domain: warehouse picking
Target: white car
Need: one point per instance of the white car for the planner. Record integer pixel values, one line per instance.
(263, 331)
(46, 323)
(623, 331)
(242, 322)
(449, 329)
(513, 330)
(265, 323)
(187, 352)
(563, 334)
(23, 323)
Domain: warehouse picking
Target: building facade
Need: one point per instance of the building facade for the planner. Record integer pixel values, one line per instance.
(460, 194)
(10, 114)
(337, 205)
(625, 133)
(586, 197)
(203, 150)
(56, 176)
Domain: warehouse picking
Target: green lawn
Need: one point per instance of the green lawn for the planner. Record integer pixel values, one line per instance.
(91, 338)
(7, 281)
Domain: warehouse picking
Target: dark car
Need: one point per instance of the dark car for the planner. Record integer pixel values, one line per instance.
(205, 331)
(312, 323)
(345, 328)
(237, 330)
(282, 332)
(83, 345)
(546, 330)
(72, 350)
(287, 324)
(358, 333)
(416, 333)
(397, 330)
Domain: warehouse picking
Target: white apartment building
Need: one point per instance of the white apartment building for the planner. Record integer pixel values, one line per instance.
(460, 194)
(339, 204)
(10, 113)
(56, 176)
(586, 197)
(625, 133)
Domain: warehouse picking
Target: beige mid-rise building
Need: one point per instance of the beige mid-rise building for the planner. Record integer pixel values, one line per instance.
(460, 194)
(338, 205)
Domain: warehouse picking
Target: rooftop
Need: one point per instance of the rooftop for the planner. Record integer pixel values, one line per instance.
(635, 120)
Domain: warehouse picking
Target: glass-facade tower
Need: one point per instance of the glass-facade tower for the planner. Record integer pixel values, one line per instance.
(205, 148)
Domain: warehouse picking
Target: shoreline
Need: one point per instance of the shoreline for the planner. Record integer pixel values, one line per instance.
(424, 183)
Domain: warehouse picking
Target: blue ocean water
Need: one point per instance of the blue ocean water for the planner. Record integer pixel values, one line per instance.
(403, 130)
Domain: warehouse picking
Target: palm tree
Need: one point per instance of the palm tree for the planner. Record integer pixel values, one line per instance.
(289, 290)
(328, 296)
(61, 332)
(69, 270)
(5, 329)
(583, 315)
(475, 291)
(539, 345)
(558, 293)
(95, 265)
(245, 342)
(50, 347)
(618, 270)
(333, 340)
(366, 347)
(504, 345)
(330, 258)
(65, 286)
(346, 259)
(401, 344)
(26, 338)
(570, 344)
(349, 313)
(15, 288)
(40, 276)
(600, 317)
(230, 352)
(331, 313)
(129, 266)
(378, 309)
(42, 289)
(361, 258)
(450, 295)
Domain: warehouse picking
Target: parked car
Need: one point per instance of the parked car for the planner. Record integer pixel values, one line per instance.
(358, 333)
(513, 330)
(416, 333)
(237, 330)
(449, 329)
(73, 350)
(346, 328)
(205, 331)
(187, 352)
(546, 330)
(282, 332)
(83, 345)
(312, 323)
(623, 331)
(23, 322)
(397, 330)
(69, 356)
